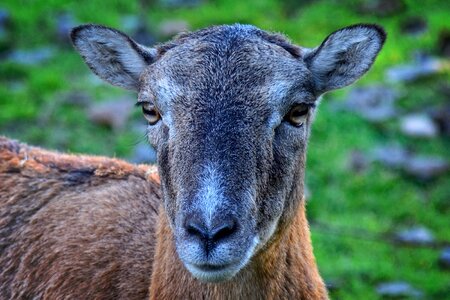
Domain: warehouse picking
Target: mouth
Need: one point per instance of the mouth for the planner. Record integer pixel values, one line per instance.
(213, 273)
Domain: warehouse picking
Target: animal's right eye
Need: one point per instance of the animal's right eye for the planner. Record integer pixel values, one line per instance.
(151, 113)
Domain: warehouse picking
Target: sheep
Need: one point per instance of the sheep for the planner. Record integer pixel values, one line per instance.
(229, 110)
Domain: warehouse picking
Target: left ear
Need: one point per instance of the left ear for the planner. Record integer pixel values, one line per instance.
(344, 56)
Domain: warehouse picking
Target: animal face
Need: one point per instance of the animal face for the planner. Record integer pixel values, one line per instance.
(229, 111)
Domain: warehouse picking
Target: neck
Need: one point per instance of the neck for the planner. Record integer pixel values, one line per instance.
(284, 269)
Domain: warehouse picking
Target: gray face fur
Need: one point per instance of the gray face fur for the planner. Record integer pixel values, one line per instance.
(230, 158)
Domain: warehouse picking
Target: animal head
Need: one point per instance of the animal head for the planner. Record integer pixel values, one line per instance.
(229, 110)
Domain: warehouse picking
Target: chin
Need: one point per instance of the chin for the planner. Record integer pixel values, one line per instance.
(214, 272)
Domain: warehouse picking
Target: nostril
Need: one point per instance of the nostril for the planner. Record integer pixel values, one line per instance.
(196, 230)
(223, 231)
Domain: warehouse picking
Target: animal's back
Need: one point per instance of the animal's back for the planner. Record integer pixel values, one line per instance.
(75, 227)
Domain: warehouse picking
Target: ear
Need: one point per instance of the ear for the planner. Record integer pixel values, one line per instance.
(344, 56)
(112, 55)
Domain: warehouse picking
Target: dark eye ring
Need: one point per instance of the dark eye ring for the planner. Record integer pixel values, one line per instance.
(297, 115)
(151, 113)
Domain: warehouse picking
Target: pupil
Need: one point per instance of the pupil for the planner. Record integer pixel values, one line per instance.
(299, 113)
(149, 112)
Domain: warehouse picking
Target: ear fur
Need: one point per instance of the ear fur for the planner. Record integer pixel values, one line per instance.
(112, 55)
(344, 56)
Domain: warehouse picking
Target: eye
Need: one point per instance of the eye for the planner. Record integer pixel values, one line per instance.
(151, 113)
(297, 115)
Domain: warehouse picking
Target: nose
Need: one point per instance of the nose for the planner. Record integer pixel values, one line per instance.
(219, 229)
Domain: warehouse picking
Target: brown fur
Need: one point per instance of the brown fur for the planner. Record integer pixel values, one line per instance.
(83, 227)
(74, 227)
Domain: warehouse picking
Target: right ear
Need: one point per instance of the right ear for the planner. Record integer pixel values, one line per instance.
(112, 55)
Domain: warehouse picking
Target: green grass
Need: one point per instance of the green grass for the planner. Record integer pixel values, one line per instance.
(359, 210)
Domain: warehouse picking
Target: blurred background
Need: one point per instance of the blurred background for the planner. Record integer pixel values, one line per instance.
(378, 163)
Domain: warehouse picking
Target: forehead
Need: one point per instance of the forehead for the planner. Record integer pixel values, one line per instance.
(227, 64)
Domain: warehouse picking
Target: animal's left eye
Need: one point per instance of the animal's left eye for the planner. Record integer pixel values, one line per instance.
(297, 115)
(151, 113)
